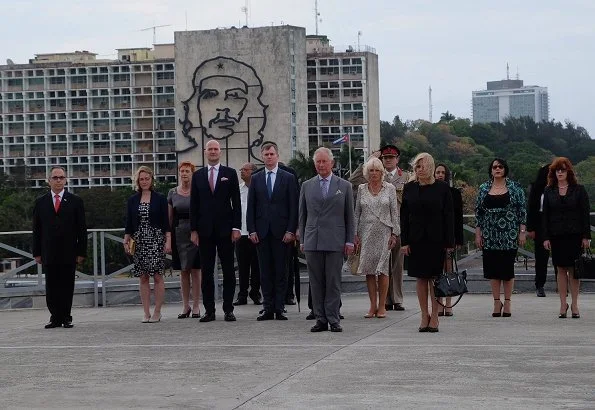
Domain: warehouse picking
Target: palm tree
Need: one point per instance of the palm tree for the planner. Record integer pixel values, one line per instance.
(446, 117)
(303, 166)
(343, 160)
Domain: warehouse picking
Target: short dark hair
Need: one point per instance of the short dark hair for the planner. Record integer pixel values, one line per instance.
(501, 161)
(268, 144)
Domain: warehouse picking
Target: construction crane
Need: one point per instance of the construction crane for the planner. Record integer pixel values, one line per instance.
(154, 28)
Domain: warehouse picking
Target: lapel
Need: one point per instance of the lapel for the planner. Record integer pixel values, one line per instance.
(332, 188)
(276, 185)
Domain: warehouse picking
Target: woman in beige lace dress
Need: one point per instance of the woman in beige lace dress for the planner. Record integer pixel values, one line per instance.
(377, 232)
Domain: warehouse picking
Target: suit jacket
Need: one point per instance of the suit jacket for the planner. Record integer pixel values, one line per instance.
(276, 215)
(59, 237)
(567, 215)
(158, 213)
(219, 212)
(427, 215)
(326, 224)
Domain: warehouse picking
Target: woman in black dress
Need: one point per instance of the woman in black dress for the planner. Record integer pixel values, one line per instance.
(185, 255)
(148, 225)
(566, 228)
(442, 173)
(427, 231)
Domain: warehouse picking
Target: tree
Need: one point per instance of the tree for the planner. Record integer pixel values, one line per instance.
(446, 117)
(303, 166)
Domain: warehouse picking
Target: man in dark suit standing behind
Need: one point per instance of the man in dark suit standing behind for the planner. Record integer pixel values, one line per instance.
(272, 220)
(59, 243)
(216, 221)
(326, 228)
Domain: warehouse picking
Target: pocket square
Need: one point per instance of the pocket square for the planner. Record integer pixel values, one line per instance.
(224, 179)
(338, 192)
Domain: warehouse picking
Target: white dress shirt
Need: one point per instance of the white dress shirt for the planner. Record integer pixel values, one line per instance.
(244, 200)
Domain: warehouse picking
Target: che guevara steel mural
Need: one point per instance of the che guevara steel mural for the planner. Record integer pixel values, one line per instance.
(226, 105)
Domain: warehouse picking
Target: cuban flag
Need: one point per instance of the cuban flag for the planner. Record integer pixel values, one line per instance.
(342, 140)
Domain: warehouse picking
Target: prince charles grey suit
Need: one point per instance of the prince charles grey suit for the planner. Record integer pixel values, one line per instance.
(326, 225)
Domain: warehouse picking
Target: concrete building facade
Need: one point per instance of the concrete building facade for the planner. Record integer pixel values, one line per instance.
(509, 98)
(100, 119)
(343, 95)
(241, 87)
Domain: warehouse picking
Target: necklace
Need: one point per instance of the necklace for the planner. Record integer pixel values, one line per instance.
(563, 187)
(183, 191)
(374, 191)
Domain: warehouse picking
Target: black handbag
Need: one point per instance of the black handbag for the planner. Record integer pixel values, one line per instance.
(584, 266)
(451, 284)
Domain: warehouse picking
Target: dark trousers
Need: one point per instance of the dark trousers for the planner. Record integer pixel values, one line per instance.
(248, 269)
(542, 256)
(209, 247)
(59, 288)
(272, 255)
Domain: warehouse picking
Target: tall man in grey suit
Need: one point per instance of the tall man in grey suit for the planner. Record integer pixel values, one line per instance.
(326, 228)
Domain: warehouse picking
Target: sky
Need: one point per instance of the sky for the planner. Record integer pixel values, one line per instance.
(453, 46)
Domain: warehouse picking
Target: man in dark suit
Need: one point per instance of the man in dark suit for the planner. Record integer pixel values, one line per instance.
(327, 231)
(59, 243)
(272, 220)
(215, 221)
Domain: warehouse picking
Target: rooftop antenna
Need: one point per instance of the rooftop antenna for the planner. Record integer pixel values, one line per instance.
(517, 72)
(154, 28)
(245, 10)
(507, 72)
(359, 34)
(316, 15)
(430, 101)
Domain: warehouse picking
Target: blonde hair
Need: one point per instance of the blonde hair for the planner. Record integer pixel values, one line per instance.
(429, 162)
(373, 163)
(143, 168)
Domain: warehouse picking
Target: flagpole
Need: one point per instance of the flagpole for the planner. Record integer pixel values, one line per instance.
(349, 141)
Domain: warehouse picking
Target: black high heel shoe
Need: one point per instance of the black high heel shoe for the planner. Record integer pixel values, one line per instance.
(499, 312)
(185, 315)
(506, 314)
(563, 315)
(196, 315)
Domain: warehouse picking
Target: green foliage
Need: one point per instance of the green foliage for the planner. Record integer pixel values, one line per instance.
(303, 166)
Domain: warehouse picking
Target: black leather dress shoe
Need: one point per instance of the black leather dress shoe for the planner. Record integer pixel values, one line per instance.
(68, 324)
(229, 317)
(311, 316)
(290, 301)
(266, 316)
(280, 316)
(52, 324)
(208, 317)
(256, 299)
(341, 316)
(336, 328)
(388, 307)
(319, 327)
(240, 301)
(540, 292)
(398, 306)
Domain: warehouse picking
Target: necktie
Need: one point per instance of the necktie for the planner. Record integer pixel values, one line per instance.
(56, 203)
(324, 188)
(269, 184)
(212, 179)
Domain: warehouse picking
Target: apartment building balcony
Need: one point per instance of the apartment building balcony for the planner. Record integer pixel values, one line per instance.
(121, 150)
(80, 151)
(35, 108)
(165, 81)
(164, 104)
(37, 153)
(58, 130)
(358, 121)
(58, 152)
(353, 98)
(15, 131)
(57, 87)
(102, 173)
(35, 87)
(78, 86)
(16, 154)
(101, 128)
(80, 174)
(58, 108)
(37, 175)
(99, 84)
(121, 83)
(78, 130)
(143, 103)
(122, 105)
(350, 76)
(101, 150)
(79, 107)
(123, 172)
(143, 80)
(166, 149)
(14, 88)
(122, 127)
(15, 109)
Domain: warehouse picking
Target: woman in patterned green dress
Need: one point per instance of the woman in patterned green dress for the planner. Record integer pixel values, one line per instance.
(501, 214)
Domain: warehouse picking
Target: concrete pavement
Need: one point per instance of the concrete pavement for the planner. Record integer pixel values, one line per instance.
(111, 360)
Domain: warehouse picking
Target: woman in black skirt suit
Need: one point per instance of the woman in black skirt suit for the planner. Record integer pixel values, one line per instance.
(427, 231)
(566, 228)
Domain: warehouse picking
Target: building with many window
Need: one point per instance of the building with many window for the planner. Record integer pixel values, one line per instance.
(342, 95)
(100, 119)
(509, 98)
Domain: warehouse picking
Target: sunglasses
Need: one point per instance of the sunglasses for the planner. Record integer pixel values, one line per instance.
(561, 169)
(58, 178)
(498, 166)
